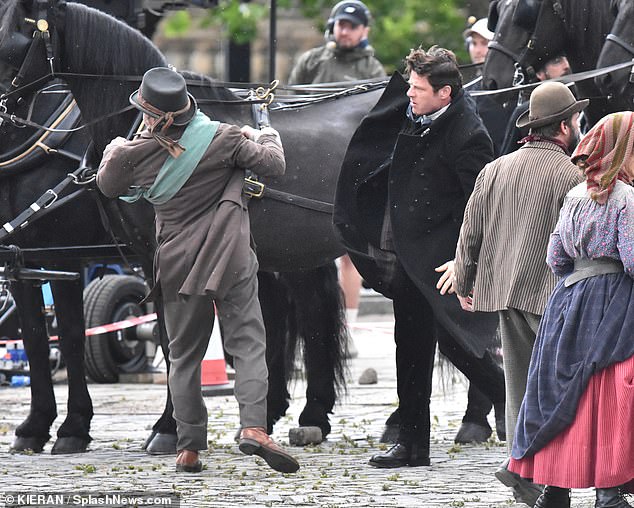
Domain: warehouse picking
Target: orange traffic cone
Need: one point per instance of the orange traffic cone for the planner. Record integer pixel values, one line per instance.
(213, 372)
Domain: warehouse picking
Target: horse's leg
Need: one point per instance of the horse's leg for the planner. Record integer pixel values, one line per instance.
(162, 440)
(321, 321)
(483, 373)
(276, 312)
(33, 432)
(392, 428)
(475, 428)
(73, 435)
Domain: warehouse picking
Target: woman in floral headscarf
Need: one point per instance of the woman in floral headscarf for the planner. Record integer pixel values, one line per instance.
(576, 423)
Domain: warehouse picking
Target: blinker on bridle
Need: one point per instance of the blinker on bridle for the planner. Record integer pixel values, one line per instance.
(523, 71)
(42, 35)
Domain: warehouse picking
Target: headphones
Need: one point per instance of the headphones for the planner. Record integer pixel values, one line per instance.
(330, 24)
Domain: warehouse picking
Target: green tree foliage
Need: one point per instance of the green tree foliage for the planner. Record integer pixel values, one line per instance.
(398, 25)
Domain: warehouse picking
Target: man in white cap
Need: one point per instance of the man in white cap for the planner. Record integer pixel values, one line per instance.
(500, 257)
(477, 38)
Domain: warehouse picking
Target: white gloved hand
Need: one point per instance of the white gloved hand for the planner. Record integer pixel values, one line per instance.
(250, 133)
(116, 142)
(254, 134)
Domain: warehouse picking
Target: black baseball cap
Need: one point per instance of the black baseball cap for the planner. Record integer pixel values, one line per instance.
(355, 12)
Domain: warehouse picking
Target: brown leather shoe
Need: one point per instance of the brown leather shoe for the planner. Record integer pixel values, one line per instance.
(255, 441)
(187, 462)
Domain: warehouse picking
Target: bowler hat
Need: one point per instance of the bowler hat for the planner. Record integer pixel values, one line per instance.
(163, 91)
(550, 103)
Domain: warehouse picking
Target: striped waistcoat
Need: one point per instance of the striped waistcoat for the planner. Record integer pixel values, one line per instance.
(501, 253)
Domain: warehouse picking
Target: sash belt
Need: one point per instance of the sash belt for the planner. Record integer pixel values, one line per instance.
(585, 268)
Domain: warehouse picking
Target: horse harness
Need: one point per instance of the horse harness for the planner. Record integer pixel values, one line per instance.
(63, 122)
(526, 16)
(615, 39)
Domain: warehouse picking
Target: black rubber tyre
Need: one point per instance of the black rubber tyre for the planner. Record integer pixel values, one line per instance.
(107, 300)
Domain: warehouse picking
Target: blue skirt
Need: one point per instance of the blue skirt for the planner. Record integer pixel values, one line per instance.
(585, 328)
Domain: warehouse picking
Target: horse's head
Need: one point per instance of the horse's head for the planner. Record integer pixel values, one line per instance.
(527, 33)
(619, 47)
(90, 48)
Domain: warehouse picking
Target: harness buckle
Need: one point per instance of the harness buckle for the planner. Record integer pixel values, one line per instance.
(54, 197)
(253, 188)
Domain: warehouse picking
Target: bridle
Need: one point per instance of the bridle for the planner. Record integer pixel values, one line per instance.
(40, 36)
(615, 39)
(526, 73)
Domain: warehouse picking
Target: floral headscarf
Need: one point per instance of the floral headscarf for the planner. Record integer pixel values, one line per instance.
(603, 153)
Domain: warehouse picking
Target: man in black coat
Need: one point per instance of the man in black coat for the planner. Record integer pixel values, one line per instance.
(404, 184)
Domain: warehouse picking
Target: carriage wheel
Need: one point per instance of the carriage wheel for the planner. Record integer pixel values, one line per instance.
(107, 300)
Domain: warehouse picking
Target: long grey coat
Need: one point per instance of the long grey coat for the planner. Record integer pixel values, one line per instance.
(202, 233)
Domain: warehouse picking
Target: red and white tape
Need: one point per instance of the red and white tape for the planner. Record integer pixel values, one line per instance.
(111, 327)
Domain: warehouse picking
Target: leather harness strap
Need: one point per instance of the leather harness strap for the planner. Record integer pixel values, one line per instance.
(257, 190)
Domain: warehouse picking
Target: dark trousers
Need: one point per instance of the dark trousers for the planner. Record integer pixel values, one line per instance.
(416, 331)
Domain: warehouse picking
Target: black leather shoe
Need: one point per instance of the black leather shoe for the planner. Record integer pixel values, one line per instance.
(611, 498)
(401, 455)
(554, 497)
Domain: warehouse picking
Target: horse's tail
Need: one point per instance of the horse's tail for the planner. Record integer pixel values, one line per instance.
(319, 316)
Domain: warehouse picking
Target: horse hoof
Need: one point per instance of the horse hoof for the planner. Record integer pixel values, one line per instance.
(470, 432)
(33, 444)
(148, 440)
(314, 415)
(390, 434)
(302, 436)
(162, 444)
(500, 422)
(70, 444)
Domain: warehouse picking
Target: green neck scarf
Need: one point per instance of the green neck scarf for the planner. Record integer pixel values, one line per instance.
(175, 172)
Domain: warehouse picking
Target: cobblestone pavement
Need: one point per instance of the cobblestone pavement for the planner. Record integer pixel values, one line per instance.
(333, 474)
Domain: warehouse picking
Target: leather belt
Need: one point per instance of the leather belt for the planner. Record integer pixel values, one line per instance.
(585, 268)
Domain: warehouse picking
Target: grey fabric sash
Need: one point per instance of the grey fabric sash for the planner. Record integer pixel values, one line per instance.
(585, 268)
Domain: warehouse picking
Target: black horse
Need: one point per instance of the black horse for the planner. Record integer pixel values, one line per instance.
(619, 47)
(530, 32)
(95, 53)
(288, 237)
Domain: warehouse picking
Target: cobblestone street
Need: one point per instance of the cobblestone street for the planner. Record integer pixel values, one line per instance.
(333, 474)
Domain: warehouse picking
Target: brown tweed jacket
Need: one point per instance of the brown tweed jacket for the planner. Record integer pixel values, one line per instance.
(501, 252)
(203, 232)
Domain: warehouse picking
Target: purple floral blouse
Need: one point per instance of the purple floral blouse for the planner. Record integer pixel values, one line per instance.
(590, 230)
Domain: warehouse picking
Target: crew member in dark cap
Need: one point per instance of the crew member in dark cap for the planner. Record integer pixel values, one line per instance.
(347, 54)
(192, 170)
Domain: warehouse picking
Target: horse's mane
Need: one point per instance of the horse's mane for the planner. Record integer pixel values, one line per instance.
(203, 86)
(107, 46)
(587, 20)
(8, 18)
(96, 43)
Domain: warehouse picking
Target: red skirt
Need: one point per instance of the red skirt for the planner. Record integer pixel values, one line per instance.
(597, 449)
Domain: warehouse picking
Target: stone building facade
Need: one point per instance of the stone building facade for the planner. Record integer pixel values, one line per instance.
(203, 51)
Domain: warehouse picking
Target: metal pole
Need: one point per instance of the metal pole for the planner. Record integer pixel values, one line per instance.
(272, 39)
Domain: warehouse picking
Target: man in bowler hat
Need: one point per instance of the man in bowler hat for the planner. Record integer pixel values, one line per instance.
(192, 170)
(500, 263)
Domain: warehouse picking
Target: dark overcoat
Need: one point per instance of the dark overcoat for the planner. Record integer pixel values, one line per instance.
(203, 232)
(426, 179)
